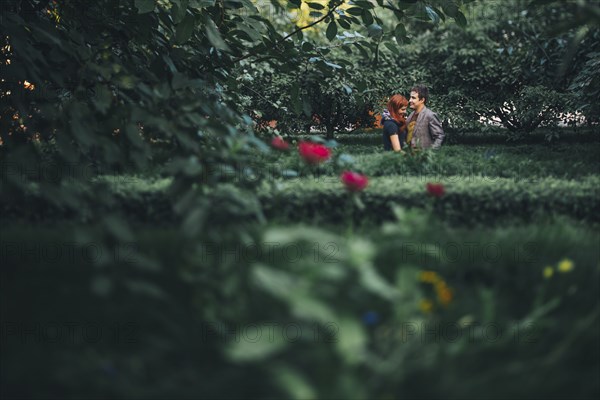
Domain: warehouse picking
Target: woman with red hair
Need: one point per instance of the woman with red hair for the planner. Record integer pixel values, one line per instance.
(393, 120)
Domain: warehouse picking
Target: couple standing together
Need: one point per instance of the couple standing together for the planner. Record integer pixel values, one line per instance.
(422, 128)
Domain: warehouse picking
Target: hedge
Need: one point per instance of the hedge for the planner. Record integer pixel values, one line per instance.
(487, 136)
(467, 200)
(518, 162)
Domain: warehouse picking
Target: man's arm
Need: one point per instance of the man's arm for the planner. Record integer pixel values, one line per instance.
(436, 131)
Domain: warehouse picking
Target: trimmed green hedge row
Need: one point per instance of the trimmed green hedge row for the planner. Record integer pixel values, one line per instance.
(467, 200)
(519, 162)
(493, 135)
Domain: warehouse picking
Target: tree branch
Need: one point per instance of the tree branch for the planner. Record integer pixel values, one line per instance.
(293, 33)
(505, 121)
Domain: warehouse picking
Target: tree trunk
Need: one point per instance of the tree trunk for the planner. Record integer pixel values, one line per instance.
(508, 124)
(329, 131)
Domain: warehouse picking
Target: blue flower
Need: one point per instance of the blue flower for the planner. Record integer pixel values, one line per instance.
(109, 369)
(370, 318)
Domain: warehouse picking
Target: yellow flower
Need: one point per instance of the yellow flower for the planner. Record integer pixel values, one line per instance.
(426, 306)
(548, 272)
(444, 296)
(443, 292)
(429, 277)
(565, 265)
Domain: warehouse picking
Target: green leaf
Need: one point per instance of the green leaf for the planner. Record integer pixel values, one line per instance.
(363, 4)
(178, 12)
(351, 340)
(284, 286)
(332, 65)
(543, 310)
(461, 20)
(374, 282)
(183, 31)
(307, 46)
(278, 283)
(450, 9)
(347, 88)
(375, 31)
(400, 33)
(392, 47)
(285, 236)
(253, 33)
(439, 13)
(367, 18)
(433, 16)
(293, 382)
(331, 31)
(145, 6)
(257, 345)
(354, 11)
(316, 6)
(214, 36)
(406, 282)
(362, 50)
(305, 306)
(196, 4)
(343, 23)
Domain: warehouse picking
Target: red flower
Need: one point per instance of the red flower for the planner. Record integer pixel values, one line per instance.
(279, 143)
(313, 153)
(435, 189)
(354, 181)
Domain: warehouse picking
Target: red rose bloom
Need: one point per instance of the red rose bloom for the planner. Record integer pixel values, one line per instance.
(435, 189)
(313, 153)
(279, 143)
(354, 181)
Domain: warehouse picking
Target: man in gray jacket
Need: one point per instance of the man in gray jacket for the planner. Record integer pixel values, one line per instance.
(424, 127)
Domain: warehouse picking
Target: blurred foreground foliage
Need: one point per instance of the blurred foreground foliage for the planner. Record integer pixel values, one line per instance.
(300, 312)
